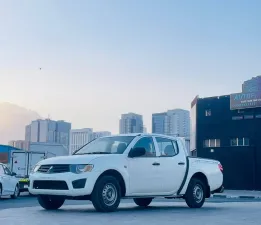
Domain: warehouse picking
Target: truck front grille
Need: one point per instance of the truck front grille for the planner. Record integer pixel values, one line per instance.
(59, 168)
(50, 185)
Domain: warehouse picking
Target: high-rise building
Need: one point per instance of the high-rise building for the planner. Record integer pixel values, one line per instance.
(35, 131)
(48, 131)
(174, 122)
(158, 122)
(21, 144)
(177, 123)
(28, 133)
(252, 85)
(131, 123)
(79, 137)
(63, 132)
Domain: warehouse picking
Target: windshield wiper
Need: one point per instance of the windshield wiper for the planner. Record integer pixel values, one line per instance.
(93, 153)
(100, 153)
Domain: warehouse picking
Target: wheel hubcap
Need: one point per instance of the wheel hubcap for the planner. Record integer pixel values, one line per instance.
(198, 193)
(109, 194)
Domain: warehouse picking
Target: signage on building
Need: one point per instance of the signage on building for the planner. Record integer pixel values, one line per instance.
(249, 98)
(245, 100)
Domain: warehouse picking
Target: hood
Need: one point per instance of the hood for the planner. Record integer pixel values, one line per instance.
(72, 159)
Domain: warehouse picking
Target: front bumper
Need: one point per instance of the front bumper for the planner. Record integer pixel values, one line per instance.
(64, 184)
(23, 184)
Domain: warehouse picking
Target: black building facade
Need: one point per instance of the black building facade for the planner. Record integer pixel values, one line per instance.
(228, 128)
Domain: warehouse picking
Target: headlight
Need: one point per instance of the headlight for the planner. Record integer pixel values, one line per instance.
(81, 168)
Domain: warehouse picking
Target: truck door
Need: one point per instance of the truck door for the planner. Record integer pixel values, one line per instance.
(144, 173)
(19, 163)
(6, 185)
(12, 180)
(34, 158)
(172, 164)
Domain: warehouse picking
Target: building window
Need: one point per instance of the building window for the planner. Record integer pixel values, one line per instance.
(239, 142)
(209, 143)
(246, 141)
(237, 117)
(247, 117)
(208, 112)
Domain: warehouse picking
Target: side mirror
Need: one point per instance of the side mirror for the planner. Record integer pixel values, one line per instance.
(13, 174)
(137, 152)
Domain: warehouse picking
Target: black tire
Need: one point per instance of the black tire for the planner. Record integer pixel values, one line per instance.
(16, 193)
(107, 188)
(196, 193)
(0, 190)
(143, 202)
(50, 202)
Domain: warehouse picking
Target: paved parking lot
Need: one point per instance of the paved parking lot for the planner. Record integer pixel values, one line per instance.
(25, 210)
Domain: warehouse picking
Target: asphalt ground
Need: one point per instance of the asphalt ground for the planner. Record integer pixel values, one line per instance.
(30, 201)
(25, 211)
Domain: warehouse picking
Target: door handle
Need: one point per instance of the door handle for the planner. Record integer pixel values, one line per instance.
(156, 164)
(181, 163)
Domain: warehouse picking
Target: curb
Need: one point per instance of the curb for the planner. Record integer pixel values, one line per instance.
(236, 197)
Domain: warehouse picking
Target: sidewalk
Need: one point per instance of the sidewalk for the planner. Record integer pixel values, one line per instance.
(238, 194)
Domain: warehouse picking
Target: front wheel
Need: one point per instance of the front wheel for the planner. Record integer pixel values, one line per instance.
(142, 202)
(50, 202)
(16, 193)
(106, 194)
(196, 193)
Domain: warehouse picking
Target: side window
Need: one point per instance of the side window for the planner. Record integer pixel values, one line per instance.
(118, 147)
(7, 171)
(1, 170)
(167, 147)
(147, 143)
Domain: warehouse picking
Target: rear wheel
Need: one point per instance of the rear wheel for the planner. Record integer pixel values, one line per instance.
(142, 202)
(16, 192)
(50, 202)
(106, 194)
(196, 193)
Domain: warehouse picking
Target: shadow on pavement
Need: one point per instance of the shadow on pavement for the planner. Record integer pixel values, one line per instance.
(137, 210)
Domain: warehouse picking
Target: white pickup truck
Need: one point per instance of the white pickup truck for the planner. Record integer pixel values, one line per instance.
(137, 166)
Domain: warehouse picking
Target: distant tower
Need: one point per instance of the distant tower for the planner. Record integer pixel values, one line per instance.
(131, 123)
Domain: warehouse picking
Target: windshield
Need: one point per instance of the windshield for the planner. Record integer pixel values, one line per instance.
(106, 145)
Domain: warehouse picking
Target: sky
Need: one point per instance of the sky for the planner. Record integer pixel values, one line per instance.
(102, 58)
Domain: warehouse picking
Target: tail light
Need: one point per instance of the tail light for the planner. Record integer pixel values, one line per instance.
(220, 167)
